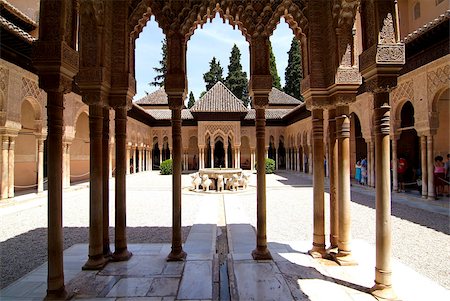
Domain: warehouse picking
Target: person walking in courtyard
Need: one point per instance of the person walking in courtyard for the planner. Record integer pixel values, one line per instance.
(439, 176)
(358, 172)
(402, 167)
(363, 171)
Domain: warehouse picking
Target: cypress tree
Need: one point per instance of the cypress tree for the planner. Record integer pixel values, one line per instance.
(214, 74)
(191, 101)
(161, 71)
(273, 70)
(236, 80)
(293, 74)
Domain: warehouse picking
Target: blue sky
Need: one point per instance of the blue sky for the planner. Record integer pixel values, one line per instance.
(214, 39)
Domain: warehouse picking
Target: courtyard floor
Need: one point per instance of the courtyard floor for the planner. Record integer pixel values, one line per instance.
(219, 233)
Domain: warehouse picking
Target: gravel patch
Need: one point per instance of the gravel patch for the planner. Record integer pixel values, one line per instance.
(420, 238)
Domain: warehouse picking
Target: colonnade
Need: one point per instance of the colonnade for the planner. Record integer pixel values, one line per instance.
(142, 161)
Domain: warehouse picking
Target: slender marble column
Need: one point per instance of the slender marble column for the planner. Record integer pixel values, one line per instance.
(252, 159)
(423, 157)
(55, 123)
(310, 161)
(344, 255)
(334, 184)
(177, 252)
(395, 185)
(369, 162)
(5, 147)
(212, 156)
(68, 163)
(40, 165)
(430, 160)
(372, 164)
(160, 156)
(121, 252)
(150, 159)
(11, 150)
(383, 269)
(318, 248)
(110, 160)
(105, 182)
(96, 259)
(128, 160)
(261, 251)
(239, 157)
(226, 156)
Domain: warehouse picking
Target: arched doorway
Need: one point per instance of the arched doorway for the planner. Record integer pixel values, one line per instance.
(219, 154)
(358, 146)
(441, 145)
(80, 150)
(155, 155)
(408, 146)
(281, 154)
(272, 152)
(245, 153)
(25, 150)
(208, 153)
(165, 150)
(193, 153)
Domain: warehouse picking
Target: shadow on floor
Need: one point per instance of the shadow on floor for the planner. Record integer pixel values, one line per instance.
(25, 252)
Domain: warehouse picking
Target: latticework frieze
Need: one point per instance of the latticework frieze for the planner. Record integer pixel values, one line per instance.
(402, 91)
(438, 79)
(4, 75)
(30, 88)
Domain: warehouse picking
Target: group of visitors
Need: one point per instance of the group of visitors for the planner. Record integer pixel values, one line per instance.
(361, 172)
(441, 176)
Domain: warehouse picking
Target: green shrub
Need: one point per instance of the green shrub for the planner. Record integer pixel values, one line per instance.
(166, 167)
(270, 165)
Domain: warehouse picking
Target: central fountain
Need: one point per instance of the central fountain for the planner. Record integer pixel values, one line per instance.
(219, 179)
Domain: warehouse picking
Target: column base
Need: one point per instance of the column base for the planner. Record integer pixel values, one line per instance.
(59, 294)
(177, 256)
(318, 251)
(382, 292)
(344, 258)
(121, 255)
(107, 253)
(261, 254)
(97, 262)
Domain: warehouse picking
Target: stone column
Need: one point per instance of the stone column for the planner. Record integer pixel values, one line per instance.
(66, 162)
(40, 165)
(105, 182)
(177, 252)
(55, 124)
(150, 159)
(318, 248)
(287, 159)
(344, 255)
(226, 155)
(423, 157)
(11, 150)
(372, 164)
(5, 179)
(96, 260)
(121, 252)
(239, 157)
(430, 160)
(383, 269)
(160, 155)
(212, 156)
(110, 160)
(261, 251)
(128, 157)
(333, 172)
(394, 165)
(170, 153)
(310, 160)
(369, 162)
(252, 159)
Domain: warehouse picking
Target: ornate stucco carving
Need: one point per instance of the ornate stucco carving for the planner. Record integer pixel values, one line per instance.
(403, 90)
(387, 33)
(437, 79)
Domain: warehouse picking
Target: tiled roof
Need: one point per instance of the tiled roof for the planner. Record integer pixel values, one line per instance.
(167, 114)
(16, 30)
(219, 99)
(270, 114)
(159, 97)
(428, 26)
(277, 97)
(17, 12)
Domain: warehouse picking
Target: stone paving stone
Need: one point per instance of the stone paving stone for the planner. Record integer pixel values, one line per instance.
(164, 287)
(197, 281)
(130, 287)
(260, 281)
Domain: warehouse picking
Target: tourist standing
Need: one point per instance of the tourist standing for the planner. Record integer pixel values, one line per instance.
(402, 166)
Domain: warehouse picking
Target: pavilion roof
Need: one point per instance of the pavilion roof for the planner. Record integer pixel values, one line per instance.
(277, 97)
(219, 99)
(158, 97)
